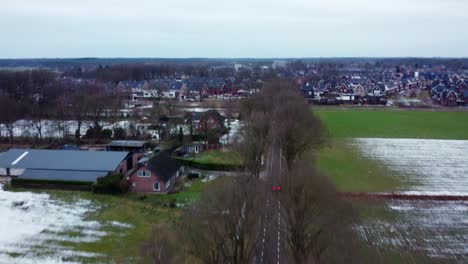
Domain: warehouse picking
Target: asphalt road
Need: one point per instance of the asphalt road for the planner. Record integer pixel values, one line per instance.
(272, 247)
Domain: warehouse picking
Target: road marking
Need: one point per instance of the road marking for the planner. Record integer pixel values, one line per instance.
(279, 229)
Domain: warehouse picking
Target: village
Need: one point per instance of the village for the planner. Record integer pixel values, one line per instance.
(138, 129)
(146, 144)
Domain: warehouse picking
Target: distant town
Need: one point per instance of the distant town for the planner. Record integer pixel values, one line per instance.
(244, 155)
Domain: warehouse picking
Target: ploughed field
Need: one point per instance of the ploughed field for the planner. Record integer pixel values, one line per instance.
(426, 167)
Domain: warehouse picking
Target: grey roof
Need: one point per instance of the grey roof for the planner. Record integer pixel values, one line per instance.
(85, 176)
(127, 143)
(163, 165)
(62, 159)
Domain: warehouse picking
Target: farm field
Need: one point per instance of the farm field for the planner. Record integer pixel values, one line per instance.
(437, 228)
(80, 227)
(366, 123)
(425, 167)
(346, 167)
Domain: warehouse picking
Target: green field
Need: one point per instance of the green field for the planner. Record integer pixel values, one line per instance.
(218, 157)
(142, 212)
(350, 172)
(372, 123)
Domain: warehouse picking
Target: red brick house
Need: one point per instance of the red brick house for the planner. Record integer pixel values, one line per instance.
(155, 175)
(210, 120)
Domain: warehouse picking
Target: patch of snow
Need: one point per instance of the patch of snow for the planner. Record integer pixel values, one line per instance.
(209, 178)
(426, 166)
(439, 228)
(121, 225)
(31, 223)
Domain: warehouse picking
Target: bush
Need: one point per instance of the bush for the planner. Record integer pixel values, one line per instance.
(120, 133)
(111, 184)
(91, 133)
(106, 133)
(193, 175)
(207, 166)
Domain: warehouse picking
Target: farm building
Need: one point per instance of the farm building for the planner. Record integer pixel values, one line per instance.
(61, 165)
(136, 148)
(157, 174)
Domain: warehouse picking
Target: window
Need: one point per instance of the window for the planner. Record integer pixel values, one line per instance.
(144, 173)
(156, 186)
(168, 183)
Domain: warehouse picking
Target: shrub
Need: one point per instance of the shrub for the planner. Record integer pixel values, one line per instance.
(111, 184)
(207, 166)
(120, 133)
(91, 133)
(193, 175)
(106, 133)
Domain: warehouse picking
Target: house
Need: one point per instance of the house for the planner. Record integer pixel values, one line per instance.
(157, 174)
(210, 120)
(463, 97)
(359, 90)
(449, 97)
(64, 165)
(192, 148)
(136, 148)
(436, 92)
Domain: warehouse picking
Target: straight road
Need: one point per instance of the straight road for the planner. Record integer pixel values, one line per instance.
(272, 247)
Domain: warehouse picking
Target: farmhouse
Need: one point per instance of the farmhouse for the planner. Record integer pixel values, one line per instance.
(62, 165)
(155, 175)
(136, 148)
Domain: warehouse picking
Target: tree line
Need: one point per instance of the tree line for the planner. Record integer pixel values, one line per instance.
(40, 95)
(226, 224)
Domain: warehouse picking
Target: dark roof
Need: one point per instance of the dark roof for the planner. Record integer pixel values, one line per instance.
(163, 165)
(85, 176)
(62, 159)
(127, 143)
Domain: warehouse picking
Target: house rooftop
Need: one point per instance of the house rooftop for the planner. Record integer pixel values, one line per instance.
(128, 143)
(62, 160)
(163, 165)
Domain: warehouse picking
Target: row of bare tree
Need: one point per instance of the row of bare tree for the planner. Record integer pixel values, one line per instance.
(225, 225)
(38, 96)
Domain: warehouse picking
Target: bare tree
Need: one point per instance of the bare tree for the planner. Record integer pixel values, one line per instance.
(223, 226)
(253, 141)
(159, 249)
(79, 110)
(316, 220)
(296, 130)
(10, 112)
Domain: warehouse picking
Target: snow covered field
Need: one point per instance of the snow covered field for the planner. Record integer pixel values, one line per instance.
(426, 166)
(34, 226)
(439, 228)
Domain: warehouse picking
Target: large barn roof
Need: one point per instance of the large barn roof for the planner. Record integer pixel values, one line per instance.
(62, 160)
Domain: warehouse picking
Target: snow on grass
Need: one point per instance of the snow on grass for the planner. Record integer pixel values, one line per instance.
(429, 167)
(33, 226)
(439, 228)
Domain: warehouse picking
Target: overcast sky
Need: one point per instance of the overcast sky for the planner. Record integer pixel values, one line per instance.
(233, 28)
